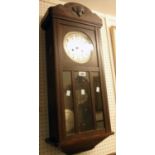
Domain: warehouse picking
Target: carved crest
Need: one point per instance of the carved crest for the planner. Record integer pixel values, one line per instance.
(72, 11)
(79, 10)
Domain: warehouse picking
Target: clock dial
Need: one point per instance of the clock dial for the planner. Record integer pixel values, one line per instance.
(78, 47)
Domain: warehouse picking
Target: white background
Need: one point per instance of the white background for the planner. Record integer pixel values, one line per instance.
(135, 79)
(19, 77)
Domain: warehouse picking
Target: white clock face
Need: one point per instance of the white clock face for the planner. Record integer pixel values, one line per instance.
(78, 47)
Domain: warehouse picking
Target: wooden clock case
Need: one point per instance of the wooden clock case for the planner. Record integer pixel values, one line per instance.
(58, 21)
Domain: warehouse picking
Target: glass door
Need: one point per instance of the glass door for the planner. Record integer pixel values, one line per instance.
(83, 101)
(68, 103)
(97, 94)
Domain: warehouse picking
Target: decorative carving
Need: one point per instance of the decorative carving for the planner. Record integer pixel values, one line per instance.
(79, 10)
(72, 11)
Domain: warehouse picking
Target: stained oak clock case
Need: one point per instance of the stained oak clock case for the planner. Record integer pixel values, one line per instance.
(77, 95)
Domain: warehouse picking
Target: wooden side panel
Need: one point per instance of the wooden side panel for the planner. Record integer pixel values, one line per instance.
(51, 84)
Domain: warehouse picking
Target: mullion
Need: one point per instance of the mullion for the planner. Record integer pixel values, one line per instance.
(92, 98)
(74, 103)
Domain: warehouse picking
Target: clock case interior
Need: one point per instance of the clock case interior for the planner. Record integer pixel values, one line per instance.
(87, 78)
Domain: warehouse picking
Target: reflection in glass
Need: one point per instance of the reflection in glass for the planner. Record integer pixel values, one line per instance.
(68, 101)
(83, 101)
(98, 101)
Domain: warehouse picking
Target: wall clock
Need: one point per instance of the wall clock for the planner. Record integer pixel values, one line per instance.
(77, 94)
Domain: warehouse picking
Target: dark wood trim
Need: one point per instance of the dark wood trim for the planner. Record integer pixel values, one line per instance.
(75, 23)
(87, 141)
(103, 83)
(80, 68)
(57, 76)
